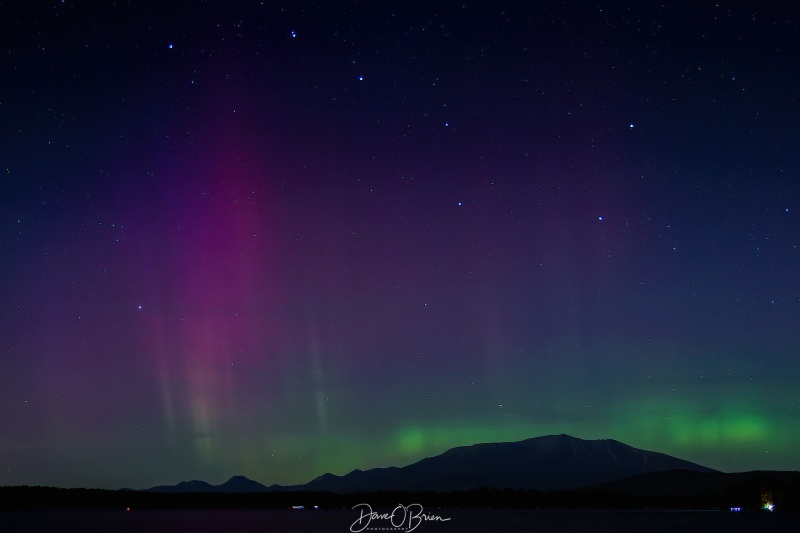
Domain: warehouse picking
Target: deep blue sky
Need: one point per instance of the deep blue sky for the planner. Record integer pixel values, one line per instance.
(280, 240)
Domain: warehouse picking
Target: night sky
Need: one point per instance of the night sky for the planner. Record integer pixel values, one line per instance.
(284, 239)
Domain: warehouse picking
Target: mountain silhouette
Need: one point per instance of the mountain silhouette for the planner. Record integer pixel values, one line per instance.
(236, 484)
(555, 462)
(241, 484)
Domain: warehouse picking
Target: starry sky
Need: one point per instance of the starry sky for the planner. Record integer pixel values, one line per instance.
(283, 239)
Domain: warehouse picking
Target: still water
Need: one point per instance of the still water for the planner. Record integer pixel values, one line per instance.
(349, 520)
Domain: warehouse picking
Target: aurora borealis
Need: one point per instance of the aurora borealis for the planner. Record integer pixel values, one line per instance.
(283, 239)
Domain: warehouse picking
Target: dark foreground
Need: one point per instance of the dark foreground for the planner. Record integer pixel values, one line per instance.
(460, 520)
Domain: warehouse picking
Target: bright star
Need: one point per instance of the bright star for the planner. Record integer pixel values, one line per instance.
(631, 125)
(361, 77)
(169, 46)
(294, 33)
(600, 217)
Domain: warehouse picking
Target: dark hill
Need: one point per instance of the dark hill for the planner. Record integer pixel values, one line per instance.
(555, 462)
(236, 484)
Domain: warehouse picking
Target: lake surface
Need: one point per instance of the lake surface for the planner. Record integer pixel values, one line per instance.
(344, 521)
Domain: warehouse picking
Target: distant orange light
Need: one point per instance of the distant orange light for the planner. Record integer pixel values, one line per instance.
(128, 509)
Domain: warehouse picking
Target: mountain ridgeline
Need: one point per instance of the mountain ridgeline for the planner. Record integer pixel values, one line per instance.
(552, 472)
(551, 463)
(235, 485)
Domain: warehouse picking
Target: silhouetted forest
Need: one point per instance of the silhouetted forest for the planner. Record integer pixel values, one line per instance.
(750, 491)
